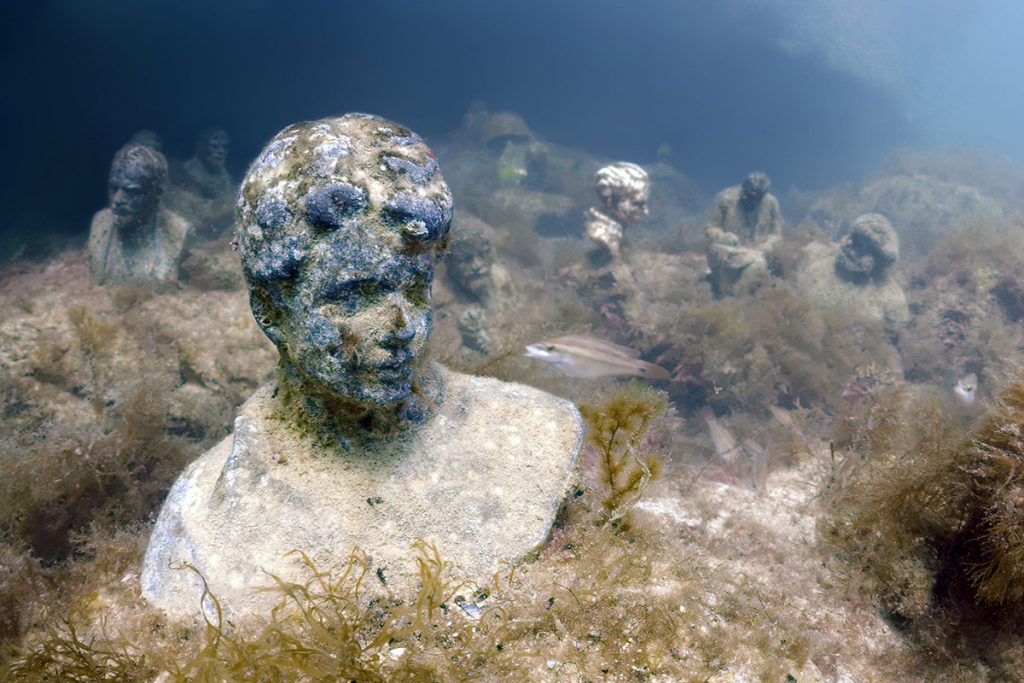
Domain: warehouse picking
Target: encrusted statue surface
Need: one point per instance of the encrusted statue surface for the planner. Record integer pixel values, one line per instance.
(745, 223)
(136, 237)
(624, 190)
(359, 441)
(857, 272)
(203, 189)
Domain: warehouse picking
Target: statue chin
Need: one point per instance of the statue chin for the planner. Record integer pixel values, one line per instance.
(856, 268)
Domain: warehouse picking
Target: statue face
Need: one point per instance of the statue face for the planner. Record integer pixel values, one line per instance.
(358, 320)
(855, 258)
(213, 149)
(469, 264)
(869, 249)
(631, 207)
(624, 189)
(130, 200)
(755, 187)
(339, 245)
(135, 184)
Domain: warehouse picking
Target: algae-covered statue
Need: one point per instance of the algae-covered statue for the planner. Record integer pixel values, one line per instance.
(202, 189)
(745, 223)
(136, 237)
(476, 288)
(206, 171)
(147, 138)
(624, 190)
(360, 441)
(857, 272)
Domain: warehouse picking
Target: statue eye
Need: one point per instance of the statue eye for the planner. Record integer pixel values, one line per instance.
(327, 206)
(420, 218)
(351, 293)
(418, 291)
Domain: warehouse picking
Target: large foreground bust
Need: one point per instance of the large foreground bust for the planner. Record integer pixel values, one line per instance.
(359, 441)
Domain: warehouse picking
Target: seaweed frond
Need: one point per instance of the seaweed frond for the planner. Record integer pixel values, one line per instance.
(616, 430)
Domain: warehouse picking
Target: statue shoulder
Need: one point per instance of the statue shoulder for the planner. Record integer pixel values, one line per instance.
(102, 225)
(98, 247)
(493, 406)
(176, 227)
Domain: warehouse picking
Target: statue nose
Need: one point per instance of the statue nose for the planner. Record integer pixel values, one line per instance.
(402, 330)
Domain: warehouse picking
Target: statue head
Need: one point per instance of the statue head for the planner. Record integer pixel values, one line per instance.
(870, 248)
(624, 190)
(147, 138)
(755, 187)
(212, 148)
(469, 260)
(342, 221)
(137, 179)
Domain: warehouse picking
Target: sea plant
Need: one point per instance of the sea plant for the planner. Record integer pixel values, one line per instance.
(616, 430)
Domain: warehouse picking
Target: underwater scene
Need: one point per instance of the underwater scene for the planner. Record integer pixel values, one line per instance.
(538, 341)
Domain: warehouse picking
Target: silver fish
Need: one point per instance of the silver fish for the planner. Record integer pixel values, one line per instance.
(580, 356)
(725, 443)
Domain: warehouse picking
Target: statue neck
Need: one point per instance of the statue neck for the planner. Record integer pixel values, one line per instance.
(136, 233)
(337, 421)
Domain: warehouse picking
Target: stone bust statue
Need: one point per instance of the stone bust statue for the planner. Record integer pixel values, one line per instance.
(342, 222)
(206, 171)
(624, 190)
(857, 272)
(869, 250)
(136, 237)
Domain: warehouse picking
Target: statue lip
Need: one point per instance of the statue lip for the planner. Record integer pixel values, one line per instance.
(402, 358)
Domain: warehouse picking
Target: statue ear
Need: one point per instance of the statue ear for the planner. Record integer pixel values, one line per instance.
(266, 317)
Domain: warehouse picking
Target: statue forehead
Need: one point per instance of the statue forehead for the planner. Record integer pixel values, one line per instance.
(138, 163)
(371, 152)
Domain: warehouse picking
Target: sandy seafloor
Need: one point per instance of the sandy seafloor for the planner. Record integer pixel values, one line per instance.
(733, 565)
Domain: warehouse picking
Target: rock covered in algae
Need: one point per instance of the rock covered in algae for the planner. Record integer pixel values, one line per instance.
(360, 442)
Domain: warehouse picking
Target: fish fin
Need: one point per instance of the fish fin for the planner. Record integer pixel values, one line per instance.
(585, 342)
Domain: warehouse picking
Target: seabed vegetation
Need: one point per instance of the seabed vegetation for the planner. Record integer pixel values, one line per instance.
(865, 526)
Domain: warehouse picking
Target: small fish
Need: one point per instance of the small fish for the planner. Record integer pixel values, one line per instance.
(725, 443)
(966, 388)
(579, 356)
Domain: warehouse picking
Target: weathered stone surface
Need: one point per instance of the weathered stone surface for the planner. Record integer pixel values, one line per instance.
(482, 478)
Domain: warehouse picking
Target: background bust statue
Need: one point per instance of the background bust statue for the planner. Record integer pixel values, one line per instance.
(624, 190)
(856, 273)
(136, 238)
(206, 171)
(749, 211)
(359, 441)
(868, 250)
(745, 224)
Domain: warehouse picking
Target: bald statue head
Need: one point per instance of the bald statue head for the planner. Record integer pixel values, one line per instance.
(342, 223)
